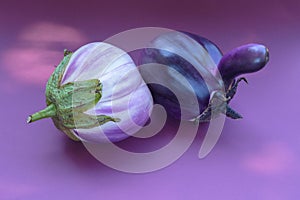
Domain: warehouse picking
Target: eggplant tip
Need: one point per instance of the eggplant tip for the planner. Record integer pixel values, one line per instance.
(267, 55)
(29, 119)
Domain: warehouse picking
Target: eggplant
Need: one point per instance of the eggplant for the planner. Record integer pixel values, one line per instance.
(96, 94)
(211, 76)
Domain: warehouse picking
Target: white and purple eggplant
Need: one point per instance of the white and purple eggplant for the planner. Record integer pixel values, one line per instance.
(95, 94)
(210, 74)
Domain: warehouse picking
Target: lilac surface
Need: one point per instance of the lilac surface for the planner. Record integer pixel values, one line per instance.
(255, 158)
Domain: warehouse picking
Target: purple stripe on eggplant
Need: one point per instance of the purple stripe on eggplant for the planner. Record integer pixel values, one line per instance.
(210, 47)
(77, 59)
(163, 95)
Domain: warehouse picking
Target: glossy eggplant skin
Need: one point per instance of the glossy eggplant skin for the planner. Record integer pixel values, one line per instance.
(244, 59)
(181, 54)
(161, 94)
(213, 50)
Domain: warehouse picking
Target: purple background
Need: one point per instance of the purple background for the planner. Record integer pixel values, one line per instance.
(255, 158)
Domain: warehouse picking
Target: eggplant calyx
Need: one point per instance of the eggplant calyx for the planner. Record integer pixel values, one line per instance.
(233, 88)
(206, 115)
(217, 104)
(232, 113)
(67, 103)
(230, 94)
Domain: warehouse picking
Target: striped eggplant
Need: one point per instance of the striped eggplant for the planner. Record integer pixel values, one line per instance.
(95, 94)
(211, 75)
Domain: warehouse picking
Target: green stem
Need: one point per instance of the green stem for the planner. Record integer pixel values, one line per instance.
(49, 111)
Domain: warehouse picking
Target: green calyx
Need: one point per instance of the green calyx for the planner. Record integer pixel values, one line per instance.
(67, 103)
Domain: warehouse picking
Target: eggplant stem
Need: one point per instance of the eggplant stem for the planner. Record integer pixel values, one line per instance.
(49, 111)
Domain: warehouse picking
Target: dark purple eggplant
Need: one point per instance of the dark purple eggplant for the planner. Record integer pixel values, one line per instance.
(241, 60)
(209, 75)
